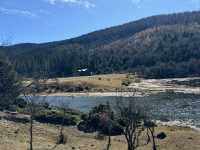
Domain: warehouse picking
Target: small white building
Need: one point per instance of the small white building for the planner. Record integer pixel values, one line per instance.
(82, 70)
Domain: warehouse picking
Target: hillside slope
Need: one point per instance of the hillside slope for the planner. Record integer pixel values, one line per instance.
(159, 52)
(129, 47)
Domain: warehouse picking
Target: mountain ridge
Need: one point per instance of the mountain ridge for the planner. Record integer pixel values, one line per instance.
(64, 58)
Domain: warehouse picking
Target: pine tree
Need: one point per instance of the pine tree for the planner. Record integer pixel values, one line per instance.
(9, 85)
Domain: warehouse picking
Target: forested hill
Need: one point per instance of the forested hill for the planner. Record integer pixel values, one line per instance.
(156, 47)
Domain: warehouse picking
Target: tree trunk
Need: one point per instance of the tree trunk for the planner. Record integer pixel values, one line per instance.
(61, 138)
(154, 145)
(148, 137)
(61, 130)
(31, 132)
(153, 139)
(131, 146)
(62, 125)
(109, 143)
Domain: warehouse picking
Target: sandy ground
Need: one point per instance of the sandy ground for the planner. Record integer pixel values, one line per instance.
(14, 136)
(162, 85)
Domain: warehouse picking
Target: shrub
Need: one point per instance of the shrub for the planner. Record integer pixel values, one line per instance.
(100, 119)
(56, 119)
(21, 103)
(161, 135)
(126, 82)
(84, 117)
(16, 119)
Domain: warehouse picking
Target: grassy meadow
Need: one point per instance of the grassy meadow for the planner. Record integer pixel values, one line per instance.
(14, 136)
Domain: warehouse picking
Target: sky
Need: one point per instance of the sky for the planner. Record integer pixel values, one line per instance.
(38, 21)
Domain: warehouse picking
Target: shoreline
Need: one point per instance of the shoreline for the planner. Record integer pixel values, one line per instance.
(114, 94)
(145, 87)
(175, 123)
(93, 94)
(178, 123)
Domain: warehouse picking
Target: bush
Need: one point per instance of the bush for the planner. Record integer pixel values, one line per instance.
(84, 117)
(21, 103)
(16, 119)
(86, 127)
(126, 82)
(100, 119)
(161, 135)
(45, 113)
(94, 124)
(56, 119)
(114, 129)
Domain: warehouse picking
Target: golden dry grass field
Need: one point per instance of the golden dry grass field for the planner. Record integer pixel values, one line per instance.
(95, 83)
(106, 82)
(14, 136)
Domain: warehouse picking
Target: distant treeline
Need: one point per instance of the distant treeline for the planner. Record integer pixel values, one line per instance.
(155, 47)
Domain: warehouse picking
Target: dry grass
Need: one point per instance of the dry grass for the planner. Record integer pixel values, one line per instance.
(14, 136)
(108, 82)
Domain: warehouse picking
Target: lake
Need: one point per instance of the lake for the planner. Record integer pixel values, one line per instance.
(184, 108)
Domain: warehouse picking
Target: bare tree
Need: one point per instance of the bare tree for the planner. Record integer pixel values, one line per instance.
(150, 125)
(109, 134)
(30, 97)
(131, 118)
(106, 121)
(148, 136)
(31, 108)
(62, 139)
(31, 94)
